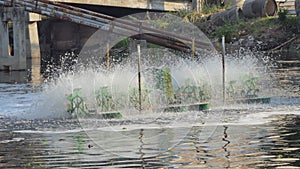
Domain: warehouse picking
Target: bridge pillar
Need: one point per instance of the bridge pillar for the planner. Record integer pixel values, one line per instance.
(13, 38)
(34, 56)
(19, 41)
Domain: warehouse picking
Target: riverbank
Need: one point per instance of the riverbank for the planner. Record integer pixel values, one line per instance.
(263, 34)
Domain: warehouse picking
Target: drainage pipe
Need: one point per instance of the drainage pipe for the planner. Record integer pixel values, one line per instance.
(259, 8)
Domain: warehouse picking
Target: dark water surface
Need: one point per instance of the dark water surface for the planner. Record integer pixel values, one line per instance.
(62, 144)
(236, 136)
(232, 136)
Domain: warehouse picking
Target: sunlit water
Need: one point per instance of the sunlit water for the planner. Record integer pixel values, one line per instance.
(226, 136)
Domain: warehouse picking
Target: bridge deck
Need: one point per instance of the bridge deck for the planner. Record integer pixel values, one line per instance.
(164, 5)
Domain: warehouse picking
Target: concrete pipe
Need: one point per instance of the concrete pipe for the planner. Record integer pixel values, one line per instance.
(259, 8)
(229, 16)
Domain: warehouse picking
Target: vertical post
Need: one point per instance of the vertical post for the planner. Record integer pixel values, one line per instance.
(199, 6)
(193, 48)
(223, 66)
(139, 65)
(107, 57)
(196, 5)
(139, 75)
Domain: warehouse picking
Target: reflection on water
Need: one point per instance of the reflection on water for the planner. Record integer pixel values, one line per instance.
(275, 144)
(33, 75)
(13, 77)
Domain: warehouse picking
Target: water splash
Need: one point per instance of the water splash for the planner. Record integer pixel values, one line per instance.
(122, 77)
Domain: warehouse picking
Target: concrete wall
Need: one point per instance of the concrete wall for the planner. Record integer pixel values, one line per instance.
(58, 37)
(167, 5)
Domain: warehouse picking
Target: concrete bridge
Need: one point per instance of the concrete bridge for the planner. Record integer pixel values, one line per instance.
(162, 5)
(27, 36)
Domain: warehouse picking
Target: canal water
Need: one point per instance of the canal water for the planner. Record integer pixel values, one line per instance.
(226, 136)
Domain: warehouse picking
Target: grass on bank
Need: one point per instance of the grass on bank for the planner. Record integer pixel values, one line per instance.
(256, 27)
(194, 16)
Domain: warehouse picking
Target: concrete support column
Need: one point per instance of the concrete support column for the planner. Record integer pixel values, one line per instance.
(15, 60)
(35, 53)
(20, 24)
(4, 38)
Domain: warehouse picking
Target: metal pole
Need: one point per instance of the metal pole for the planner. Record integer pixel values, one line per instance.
(107, 57)
(193, 48)
(139, 75)
(223, 66)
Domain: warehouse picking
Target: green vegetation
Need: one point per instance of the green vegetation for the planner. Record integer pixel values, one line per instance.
(246, 87)
(164, 82)
(228, 30)
(76, 104)
(194, 16)
(282, 14)
(109, 105)
(250, 88)
(191, 93)
(134, 98)
(33, 164)
(114, 115)
(188, 96)
(167, 84)
(79, 141)
(253, 27)
(122, 43)
(189, 16)
(210, 9)
(104, 99)
(258, 28)
(44, 140)
(273, 31)
(279, 156)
